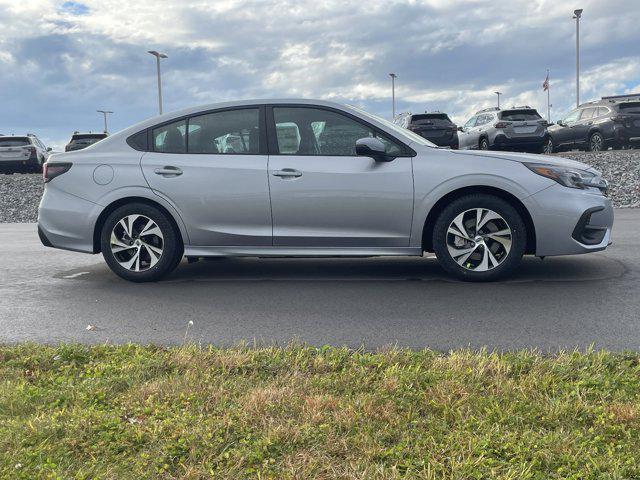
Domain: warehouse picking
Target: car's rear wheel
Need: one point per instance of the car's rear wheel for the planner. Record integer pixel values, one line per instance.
(596, 142)
(484, 144)
(139, 243)
(479, 237)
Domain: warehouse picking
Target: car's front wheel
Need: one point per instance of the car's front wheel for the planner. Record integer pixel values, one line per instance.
(484, 144)
(547, 147)
(139, 243)
(479, 237)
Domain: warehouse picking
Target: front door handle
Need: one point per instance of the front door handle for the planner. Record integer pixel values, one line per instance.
(168, 171)
(287, 173)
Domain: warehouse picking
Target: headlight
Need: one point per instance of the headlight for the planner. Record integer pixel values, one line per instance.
(572, 178)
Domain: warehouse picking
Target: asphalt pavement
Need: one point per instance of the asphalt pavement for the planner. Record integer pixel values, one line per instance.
(49, 296)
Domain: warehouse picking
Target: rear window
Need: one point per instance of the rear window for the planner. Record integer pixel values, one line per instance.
(519, 115)
(630, 107)
(431, 119)
(14, 141)
(88, 136)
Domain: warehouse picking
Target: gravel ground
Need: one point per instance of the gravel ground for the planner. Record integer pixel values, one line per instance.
(20, 193)
(19, 197)
(621, 168)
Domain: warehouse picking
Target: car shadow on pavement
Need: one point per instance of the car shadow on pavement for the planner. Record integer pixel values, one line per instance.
(563, 269)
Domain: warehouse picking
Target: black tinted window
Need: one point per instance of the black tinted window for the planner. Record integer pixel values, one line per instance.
(519, 115)
(431, 119)
(315, 131)
(631, 107)
(230, 132)
(14, 141)
(170, 138)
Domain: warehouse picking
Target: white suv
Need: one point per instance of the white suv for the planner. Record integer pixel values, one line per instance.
(22, 152)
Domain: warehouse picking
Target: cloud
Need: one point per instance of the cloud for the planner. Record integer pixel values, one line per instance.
(61, 61)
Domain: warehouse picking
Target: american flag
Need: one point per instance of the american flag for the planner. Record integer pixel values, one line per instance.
(545, 85)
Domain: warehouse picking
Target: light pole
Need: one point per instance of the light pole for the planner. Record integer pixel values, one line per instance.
(105, 113)
(158, 57)
(393, 95)
(577, 14)
(498, 94)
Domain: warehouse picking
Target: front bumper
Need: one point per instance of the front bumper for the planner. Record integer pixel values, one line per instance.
(569, 221)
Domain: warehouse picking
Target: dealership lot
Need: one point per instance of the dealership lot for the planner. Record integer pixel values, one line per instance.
(50, 296)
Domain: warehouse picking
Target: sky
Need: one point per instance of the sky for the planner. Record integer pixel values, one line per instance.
(60, 61)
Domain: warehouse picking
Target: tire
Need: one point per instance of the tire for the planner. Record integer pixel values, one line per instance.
(596, 142)
(159, 251)
(484, 258)
(484, 144)
(548, 147)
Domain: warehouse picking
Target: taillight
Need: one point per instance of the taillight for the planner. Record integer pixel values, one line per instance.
(621, 118)
(502, 124)
(53, 170)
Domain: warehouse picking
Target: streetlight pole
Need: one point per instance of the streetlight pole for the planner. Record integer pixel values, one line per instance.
(577, 14)
(158, 56)
(393, 95)
(498, 94)
(105, 113)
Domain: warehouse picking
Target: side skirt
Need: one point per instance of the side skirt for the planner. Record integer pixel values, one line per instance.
(242, 251)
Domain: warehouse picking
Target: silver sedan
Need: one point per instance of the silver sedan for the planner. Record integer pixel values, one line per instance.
(312, 178)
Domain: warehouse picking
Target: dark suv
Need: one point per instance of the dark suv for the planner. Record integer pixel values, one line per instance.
(83, 140)
(436, 127)
(609, 122)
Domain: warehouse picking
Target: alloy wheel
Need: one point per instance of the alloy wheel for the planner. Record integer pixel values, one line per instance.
(595, 143)
(136, 243)
(548, 146)
(479, 239)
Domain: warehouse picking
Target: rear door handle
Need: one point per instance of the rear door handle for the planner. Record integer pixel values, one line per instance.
(287, 173)
(168, 171)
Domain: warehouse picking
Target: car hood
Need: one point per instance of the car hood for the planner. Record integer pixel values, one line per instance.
(528, 158)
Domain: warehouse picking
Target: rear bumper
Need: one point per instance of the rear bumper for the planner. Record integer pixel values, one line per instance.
(569, 221)
(623, 134)
(503, 141)
(66, 221)
(19, 162)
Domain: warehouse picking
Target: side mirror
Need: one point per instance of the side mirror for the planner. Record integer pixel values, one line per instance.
(461, 129)
(372, 147)
(560, 122)
(49, 149)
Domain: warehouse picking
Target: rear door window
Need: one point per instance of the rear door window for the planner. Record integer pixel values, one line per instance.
(170, 138)
(227, 132)
(588, 113)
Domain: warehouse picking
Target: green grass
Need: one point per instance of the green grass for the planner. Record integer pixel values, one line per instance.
(196, 412)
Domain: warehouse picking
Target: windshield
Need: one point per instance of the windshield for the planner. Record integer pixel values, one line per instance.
(397, 129)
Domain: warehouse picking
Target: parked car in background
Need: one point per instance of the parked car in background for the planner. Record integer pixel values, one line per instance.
(609, 122)
(83, 140)
(312, 178)
(436, 127)
(517, 128)
(26, 153)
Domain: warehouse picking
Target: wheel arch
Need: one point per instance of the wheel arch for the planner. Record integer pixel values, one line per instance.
(97, 229)
(439, 206)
